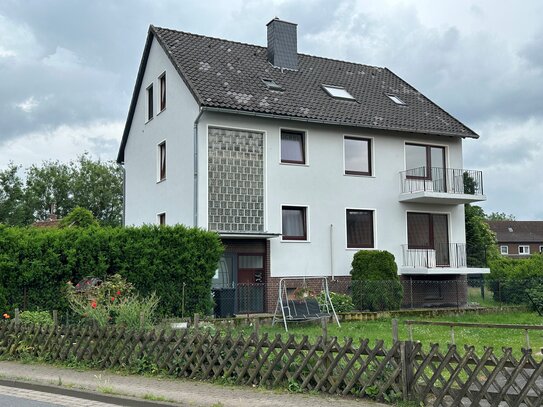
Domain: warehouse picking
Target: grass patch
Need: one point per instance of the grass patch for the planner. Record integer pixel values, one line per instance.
(382, 329)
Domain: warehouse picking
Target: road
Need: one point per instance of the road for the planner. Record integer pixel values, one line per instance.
(15, 397)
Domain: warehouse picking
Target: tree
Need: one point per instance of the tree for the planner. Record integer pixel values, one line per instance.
(13, 210)
(93, 185)
(480, 240)
(79, 217)
(500, 216)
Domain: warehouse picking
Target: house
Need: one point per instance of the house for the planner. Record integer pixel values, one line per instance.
(297, 162)
(518, 239)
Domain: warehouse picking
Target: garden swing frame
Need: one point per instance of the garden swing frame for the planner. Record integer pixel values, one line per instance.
(305, 309)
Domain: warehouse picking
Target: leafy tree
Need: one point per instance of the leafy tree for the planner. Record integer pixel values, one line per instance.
(13, 210)
(500, 216)
(480, 240)
(89, 184)
(79, 217)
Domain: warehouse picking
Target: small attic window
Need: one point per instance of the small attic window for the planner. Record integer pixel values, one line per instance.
(271, 84)
(338, 92)
(510, 230)
(396, 99)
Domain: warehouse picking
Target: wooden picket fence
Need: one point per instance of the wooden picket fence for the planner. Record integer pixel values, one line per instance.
(452, 377)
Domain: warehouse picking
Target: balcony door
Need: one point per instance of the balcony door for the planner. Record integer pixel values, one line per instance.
(429, 232)
(426, 163)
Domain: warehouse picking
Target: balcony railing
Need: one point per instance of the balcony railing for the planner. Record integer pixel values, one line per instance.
(452, 255)
(444, 180)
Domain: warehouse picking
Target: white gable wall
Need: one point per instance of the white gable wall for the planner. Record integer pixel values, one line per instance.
(322, 186)
(144, 196)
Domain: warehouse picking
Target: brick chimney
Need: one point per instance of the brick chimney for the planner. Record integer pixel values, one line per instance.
(282, 44)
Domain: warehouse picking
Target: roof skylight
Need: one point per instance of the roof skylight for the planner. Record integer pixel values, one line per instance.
(396, 99)
(271, 84)
(337, 92)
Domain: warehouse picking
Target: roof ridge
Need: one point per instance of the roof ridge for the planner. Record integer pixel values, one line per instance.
(263, 47)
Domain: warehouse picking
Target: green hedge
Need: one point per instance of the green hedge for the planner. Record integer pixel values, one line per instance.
(509, 278)
(375, 282)
(36, 263)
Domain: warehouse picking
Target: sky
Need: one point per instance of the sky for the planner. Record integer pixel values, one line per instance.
(68, 68)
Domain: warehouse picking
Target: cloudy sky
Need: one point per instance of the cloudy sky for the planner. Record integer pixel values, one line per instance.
(67, 70)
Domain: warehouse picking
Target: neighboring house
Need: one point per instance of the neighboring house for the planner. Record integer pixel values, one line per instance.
(296, 161)
(518, 238)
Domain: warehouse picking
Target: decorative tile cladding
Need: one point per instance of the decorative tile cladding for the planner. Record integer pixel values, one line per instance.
(236, 180)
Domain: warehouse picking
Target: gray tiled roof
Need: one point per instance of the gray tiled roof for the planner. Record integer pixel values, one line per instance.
(517, 231)
(226, 74)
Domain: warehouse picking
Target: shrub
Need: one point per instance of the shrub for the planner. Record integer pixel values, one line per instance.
(341, 302)
(35, 263)
(135, 311)
(376, 285)
(78, 217)
(36, 317)
(510, 278)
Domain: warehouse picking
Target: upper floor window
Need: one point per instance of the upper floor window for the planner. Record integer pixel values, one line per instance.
(423, 161)
(359, 228)
(150, 108)
(162, 82)
(161, 218)
(357, 156)
(292, 147)
(504, 249)
(162, 161)
(524, 249)
(294, 222)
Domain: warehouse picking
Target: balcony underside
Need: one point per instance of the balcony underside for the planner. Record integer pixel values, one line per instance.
(441, 270)
(431, 197)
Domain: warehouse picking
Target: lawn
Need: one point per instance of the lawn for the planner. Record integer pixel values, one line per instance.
(382, 329)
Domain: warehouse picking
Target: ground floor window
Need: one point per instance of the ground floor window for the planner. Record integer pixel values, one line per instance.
(294, 222)
(359, 228)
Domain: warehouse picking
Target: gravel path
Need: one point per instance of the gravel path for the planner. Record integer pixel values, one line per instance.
(185, 392)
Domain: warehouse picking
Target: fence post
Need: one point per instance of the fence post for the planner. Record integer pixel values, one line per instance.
(406, 350)
(394, 330)
(256, 325)
(55, 317)
(196, 320)
(324, 325)
(17, 316)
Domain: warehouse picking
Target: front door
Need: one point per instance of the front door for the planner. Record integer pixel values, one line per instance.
(429, 231)
(250, 279)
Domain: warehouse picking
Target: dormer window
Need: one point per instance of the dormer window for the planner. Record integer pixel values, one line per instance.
(396, 99)
(271, 84)
(338, 92)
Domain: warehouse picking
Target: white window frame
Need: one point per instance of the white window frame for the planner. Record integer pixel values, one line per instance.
(159, 177)
(147, 107)
(307, 228)
(374, 231)
(541, 249)
(504, 250)
(305, 142)
(371, 141)
(158, 216)
(523, 247)
(160, 108)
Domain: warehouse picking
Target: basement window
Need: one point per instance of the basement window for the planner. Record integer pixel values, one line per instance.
(271, 84)
(338, 92)
(396, 99)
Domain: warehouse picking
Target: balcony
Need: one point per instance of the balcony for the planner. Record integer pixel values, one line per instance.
(445, 258)
(441, 186)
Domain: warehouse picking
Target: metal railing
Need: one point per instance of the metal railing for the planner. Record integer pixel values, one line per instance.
(444, 180)
(443, 255)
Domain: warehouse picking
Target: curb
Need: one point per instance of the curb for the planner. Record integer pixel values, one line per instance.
(91, 395)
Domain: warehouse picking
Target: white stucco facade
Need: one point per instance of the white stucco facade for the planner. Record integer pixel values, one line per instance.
(320, 184)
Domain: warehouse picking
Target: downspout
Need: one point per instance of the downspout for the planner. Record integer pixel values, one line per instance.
(195, 143)
(123, 219)
(332, 252)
